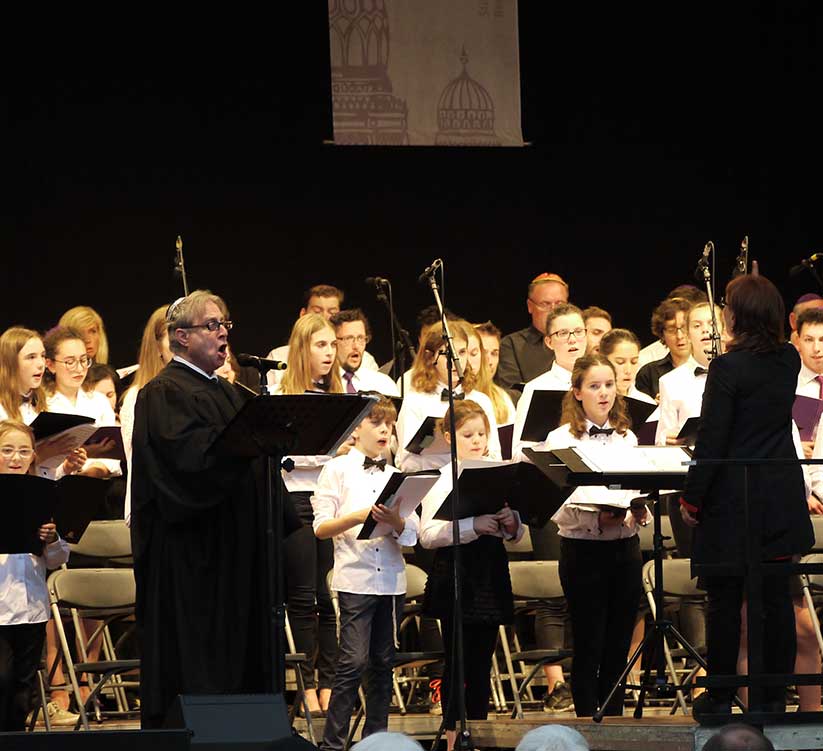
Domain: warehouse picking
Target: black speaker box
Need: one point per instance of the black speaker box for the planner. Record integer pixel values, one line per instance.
(236, 722)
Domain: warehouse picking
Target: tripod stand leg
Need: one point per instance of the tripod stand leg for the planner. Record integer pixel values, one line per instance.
(600, 713)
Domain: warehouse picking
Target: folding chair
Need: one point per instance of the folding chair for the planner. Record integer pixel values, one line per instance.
(108, 541)
(102, 594)
(531, 581)
(813, 584)
(522, 550)
(294, 661)
(679, 585)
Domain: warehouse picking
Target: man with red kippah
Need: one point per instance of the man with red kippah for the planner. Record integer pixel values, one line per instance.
(523, 354)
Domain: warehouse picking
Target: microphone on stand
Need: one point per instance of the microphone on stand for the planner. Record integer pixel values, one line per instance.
(806, 263)
(742, 262)
(261, 363)
(703, 263)
(429, 272)
(376, 281)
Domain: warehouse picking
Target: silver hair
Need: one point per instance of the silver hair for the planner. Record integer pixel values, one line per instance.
(386, 741)
(553, 738)
(185, 311)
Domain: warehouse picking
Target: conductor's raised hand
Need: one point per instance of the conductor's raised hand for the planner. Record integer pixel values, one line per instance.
(390, 516)
(486, 524)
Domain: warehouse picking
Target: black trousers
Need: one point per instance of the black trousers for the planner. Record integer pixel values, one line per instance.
(479, 640)
(367, 633)
(21, 648)
(311, 614)
(725, 596)
(601, 581)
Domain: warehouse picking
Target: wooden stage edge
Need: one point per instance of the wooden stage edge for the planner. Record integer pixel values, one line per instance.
(654, 732)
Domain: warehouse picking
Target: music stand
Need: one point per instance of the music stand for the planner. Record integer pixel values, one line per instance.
(273, 427)
(568, 467)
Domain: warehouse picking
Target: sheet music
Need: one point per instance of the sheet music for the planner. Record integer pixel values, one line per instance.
(616, 458)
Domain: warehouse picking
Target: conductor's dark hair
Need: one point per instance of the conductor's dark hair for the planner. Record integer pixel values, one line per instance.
(757, 312)
(812, 316)
(738, 737)
(350, 316)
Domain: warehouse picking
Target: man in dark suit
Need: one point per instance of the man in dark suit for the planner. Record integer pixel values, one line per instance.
(523, 354)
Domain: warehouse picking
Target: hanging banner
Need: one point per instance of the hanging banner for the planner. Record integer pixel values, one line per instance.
(425, 72)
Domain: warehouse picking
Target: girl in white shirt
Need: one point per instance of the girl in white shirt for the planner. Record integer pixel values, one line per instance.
(428, 397)
(485, 583)
(600, 558)
(312, 367)
(486, 343)
(22, 395)
(66, 365)
(24, 601)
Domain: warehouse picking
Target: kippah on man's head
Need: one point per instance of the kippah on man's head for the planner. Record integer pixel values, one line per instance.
(547, 277)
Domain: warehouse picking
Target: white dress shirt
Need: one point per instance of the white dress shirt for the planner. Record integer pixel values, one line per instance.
(555, 378)
(807, 383)
(23, 594)
(437, 533)
(681, 397)
(417, 406)
(654, 351)
(89, 404)
(27, 412)
(366, 379)
(575, 518)
(366, 567)
(127, 428)
(282, 353)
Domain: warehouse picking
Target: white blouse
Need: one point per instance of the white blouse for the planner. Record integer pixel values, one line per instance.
(23, 594)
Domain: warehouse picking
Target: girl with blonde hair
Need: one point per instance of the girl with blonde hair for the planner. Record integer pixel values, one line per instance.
(87, 322)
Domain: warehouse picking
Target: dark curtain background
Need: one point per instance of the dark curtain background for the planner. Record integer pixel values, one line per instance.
(650, 134)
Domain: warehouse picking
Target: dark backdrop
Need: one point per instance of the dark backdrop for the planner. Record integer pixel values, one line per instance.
(650, 134)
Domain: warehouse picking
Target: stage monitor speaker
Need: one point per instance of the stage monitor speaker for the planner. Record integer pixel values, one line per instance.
(236, 722)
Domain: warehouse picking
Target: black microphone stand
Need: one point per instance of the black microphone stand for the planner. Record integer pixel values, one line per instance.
(180, 265)
(457, 690)
(703, 265)
(401, 343)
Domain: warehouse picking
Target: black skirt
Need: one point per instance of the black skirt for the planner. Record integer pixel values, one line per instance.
(486, 587)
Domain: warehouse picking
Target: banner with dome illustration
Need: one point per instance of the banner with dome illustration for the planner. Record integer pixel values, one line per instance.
(425, 72)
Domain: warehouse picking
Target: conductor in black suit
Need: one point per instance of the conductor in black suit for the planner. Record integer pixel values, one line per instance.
(747, 414)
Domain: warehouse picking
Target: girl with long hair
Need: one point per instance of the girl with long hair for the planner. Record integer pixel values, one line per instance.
(87, 322)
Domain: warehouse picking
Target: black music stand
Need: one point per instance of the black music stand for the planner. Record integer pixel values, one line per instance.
(273, 427)
(567, 467)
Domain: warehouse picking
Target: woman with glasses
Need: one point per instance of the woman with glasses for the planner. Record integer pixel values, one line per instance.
(66, 366)
(312, 367)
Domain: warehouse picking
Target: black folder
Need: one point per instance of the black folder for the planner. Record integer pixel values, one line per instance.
(543, 415)
(639, 411)
(806, 413)
(388, 496)
(426, 436)
(47, 424)
(484, 490)
(688, 433)
(110, 433)
(505, 434)
(29, 502)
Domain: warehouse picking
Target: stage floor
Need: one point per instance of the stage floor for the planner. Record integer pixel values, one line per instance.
(656, 731)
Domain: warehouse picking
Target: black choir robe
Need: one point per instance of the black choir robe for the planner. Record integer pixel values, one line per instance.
(197, 529)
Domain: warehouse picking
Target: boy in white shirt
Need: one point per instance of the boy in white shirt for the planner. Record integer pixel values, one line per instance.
(369, 575)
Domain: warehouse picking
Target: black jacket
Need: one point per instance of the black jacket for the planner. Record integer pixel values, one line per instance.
(523, 356)
(747, 414)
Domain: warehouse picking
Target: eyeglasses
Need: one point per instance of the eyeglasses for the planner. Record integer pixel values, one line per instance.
(72, 363)
(351, 339)
(674, 329)
(212, 325)
(544, 304)
(569, 333)
(7, 452)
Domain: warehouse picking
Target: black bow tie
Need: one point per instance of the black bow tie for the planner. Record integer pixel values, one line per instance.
(594, 430)
(378, 463)
(700, 371)
(321, 386)
(26, 398)
(444, 395)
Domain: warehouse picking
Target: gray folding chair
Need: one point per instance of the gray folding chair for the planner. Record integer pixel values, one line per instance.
(531, 581)
(106, 595)
(108, 540)
(812, 584)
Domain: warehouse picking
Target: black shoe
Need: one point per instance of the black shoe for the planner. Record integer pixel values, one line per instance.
(705, 704)
(559, 700)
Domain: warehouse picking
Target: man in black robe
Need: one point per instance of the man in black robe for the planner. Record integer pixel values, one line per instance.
(196, 525)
